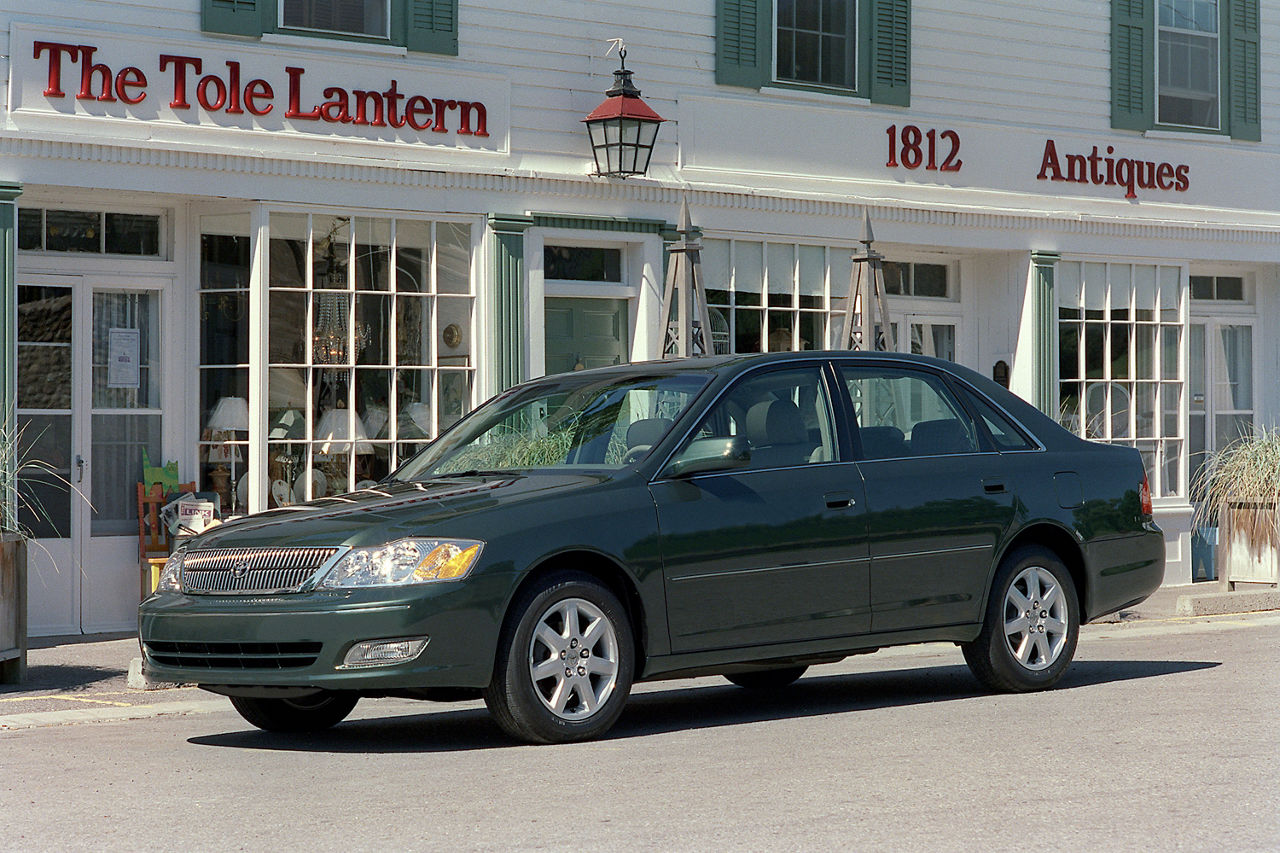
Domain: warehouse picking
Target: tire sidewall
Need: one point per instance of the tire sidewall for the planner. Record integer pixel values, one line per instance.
(533, 719)
(1005, 666)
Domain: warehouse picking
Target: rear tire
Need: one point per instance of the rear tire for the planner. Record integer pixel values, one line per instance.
(1031, 627)
(309, 714)
(565, 662)
(767, 679)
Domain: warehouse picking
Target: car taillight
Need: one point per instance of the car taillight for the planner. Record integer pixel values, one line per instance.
(1144, 495)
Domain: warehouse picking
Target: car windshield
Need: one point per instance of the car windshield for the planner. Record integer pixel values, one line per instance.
(566, 421)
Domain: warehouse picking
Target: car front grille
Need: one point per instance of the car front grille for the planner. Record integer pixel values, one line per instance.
(251, 571)
(191, 655)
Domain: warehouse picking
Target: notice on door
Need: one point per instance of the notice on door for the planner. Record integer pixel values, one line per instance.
(123, 346)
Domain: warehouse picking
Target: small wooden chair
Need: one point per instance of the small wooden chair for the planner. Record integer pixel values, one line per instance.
(153, 536)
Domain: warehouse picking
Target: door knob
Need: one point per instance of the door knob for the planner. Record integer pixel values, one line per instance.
(79, 468)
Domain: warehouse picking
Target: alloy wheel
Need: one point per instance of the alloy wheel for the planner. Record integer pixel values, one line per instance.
(1036, 618)
(573, 658)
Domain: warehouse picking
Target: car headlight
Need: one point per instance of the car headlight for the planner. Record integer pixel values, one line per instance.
(403, 562)
(171, 574)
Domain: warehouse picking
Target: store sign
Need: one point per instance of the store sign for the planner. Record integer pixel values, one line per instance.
(1108, 170)
(61, 73)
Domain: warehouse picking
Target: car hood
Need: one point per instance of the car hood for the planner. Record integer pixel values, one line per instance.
(391, 511)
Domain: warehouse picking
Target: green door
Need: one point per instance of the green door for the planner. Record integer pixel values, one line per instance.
(583, 333)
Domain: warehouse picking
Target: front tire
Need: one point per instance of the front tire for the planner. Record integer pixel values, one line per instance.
(1031, 627)
(308, 714)
(565, 662)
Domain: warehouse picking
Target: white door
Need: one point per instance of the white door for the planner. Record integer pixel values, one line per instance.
(89, 396)
(1221, 381)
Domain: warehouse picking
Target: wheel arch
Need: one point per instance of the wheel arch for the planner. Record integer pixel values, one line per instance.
(1061, 542)
(607, 571)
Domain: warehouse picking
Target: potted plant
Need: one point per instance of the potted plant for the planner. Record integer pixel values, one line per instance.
(15, 462)
(1238, 491)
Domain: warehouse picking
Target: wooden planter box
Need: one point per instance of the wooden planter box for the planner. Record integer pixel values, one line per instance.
(1239, 562)
(13, 609)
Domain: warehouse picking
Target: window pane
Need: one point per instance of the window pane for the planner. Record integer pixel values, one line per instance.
(287, 343)
(454, 331)
(1229, 287)
(132, 234)
(357, 17)
(812, 275)
(331, 252)
(929, 279)
(715, 271)
(118, 444)
(453, 253)
(373, 254)
(1237, 358)
(72, 231)
(748, 272)
(224, 327)
(413, 330)
(781, 274)
(126, 329)
(1201, 287)
(44, 348)
(581, 263)
(30, 228)
(288, 259)
(44, 498)
(413, 256)
(373, 328)
(894, 277)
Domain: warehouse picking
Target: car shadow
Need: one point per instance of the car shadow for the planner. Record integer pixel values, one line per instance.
(683, 709)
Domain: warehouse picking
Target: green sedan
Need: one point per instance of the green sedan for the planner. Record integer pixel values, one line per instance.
(748, 516)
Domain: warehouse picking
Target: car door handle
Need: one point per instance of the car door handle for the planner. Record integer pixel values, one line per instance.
(838, 500)
(993, 487)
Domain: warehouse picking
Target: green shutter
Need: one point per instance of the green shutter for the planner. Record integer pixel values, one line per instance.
(744, 43)
(1242, 80)
(1133, 66)
(891, 52)
(235, 17)
(431, 26)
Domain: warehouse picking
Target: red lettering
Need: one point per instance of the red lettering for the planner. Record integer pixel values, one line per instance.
(255, 90)
(233, 88)
(1049, 168)
(56, 51)
(465, 111)
(335, 109)
(441, 106)
(1183, 178)
(295, 97)
(131, 78)
(181, 64)
(1164, 176)
(393, 97)
(1126, 176)
(87, 69)
(202, 93)
(417, 112)
(364, 98)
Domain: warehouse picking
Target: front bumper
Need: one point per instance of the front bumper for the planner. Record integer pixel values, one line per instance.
(300, 640)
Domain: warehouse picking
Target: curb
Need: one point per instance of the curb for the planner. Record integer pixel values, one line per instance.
(1223, 603)
(41, 719)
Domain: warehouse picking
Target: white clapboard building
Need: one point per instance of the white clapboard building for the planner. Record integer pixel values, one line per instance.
(285, 242)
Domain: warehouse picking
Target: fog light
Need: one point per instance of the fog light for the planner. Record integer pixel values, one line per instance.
(383, 652)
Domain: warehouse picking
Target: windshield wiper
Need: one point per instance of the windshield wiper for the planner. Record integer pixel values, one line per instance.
(473, 472)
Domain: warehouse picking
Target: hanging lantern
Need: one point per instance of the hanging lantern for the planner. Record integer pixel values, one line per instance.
(623, 128)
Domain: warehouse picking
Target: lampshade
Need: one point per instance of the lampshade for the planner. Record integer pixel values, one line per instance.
(335, 433)
(230, 413)
(623, 129)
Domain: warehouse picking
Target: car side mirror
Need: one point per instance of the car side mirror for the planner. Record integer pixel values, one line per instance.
(711, 454)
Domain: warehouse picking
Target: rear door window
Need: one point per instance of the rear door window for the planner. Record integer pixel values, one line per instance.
(905, 413)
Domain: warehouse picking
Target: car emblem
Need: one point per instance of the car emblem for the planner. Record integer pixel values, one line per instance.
(240, 569)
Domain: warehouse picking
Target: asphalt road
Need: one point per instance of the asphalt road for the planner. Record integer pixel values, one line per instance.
(1164, 736)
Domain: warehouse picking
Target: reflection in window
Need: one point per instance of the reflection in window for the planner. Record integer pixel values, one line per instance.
(352, 17)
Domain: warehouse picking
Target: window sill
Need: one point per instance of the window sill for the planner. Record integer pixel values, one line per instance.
(829, 98)
(1185, 135)
(321, 41)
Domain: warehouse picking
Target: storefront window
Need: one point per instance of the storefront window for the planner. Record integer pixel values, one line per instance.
(1120, 368)
(370, 346)
(224, 358)
(770, 297)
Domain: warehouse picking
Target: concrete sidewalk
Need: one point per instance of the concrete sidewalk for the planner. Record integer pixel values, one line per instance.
(87, 677)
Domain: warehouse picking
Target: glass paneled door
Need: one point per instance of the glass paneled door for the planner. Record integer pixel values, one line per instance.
(89, 400)
(1221, 380)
